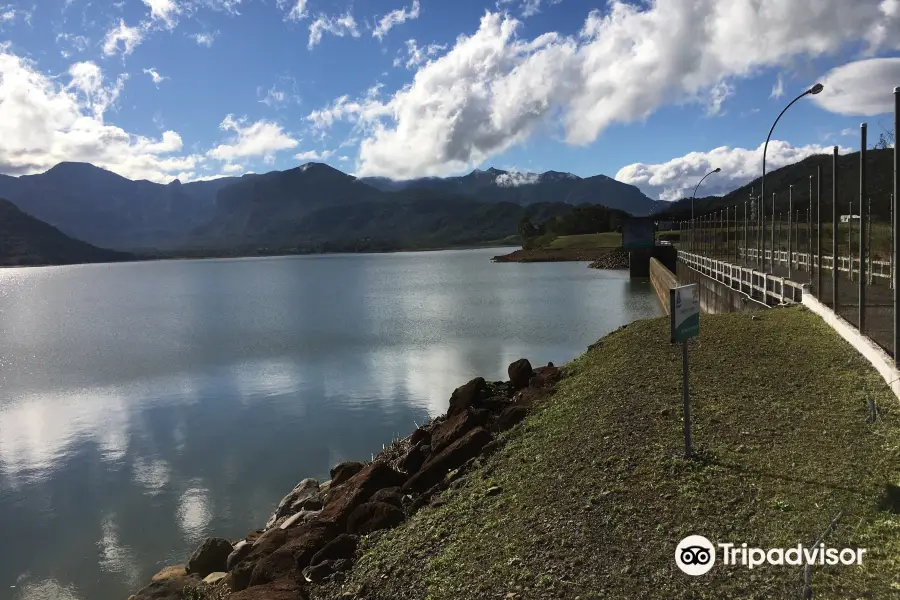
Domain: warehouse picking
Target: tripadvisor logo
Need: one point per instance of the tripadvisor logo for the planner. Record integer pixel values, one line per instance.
(696, 555)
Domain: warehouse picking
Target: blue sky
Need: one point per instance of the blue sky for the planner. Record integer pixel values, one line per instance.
(652, 92)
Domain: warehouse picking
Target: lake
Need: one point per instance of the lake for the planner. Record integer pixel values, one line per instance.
(144, 406)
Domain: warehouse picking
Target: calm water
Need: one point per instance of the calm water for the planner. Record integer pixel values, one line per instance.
(144, 406)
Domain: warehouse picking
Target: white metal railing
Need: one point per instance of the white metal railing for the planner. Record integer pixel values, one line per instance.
(874, 268)
(756, 284)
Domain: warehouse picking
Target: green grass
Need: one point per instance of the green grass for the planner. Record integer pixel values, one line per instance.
(596, 495)
(585, 241)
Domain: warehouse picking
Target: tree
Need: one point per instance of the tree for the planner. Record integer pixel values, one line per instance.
(526, 229)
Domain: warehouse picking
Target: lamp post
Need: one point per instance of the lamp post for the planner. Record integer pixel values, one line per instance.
(811, 91)
(716, 170)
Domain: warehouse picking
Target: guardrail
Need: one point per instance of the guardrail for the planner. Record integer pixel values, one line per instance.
(874, 268)
(772, 289)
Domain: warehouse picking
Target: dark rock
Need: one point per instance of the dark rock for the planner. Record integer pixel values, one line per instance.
(287, 561)
(318, 572)
(305, 493)
(210, 556)
(374, 516)
(467, 395)
(418, 436)
(511, 416)
(519, 373)
(284, 589)
(530, 396)
(168, 588)
(389, 495)
(344, 471)
(452, 429)
(455, 455)
(495, 404)
(240, 552)
(413, 460)
(494, 490)
(343, 500)
(549, 364)
(545, 377)
(343, 546)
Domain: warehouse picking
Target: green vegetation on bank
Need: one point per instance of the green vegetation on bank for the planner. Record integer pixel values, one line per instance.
(594, 494)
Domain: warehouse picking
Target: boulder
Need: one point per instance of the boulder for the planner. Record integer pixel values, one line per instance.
(452, 429)
(511, 416)
(546, 377)
(287, 561)
(167, 588)
(467, 395)
(241, 550)
(318, 572)
(374, 516)
(455, 455)
(214, 578)
(358, 489)
(169, 572)
(210, 556)
(419, 435)
(530, 396)
(344, 471)
(305, 494)
(343, 546)
(519, 373)
(389, 495)
(495, 404)
(413, 460)
(285, 589)
(299, 518)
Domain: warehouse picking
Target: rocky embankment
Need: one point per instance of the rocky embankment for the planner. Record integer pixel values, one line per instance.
(554, 254)
(313, 534)
(614, 259)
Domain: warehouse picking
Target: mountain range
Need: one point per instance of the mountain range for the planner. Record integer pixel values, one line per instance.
(309, 204)
(26, 241)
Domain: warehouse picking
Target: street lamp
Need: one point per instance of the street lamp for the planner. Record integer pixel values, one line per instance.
(762, 258)
(716, 170)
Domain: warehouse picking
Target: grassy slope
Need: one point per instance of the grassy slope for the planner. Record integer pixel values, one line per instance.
(595, 495)
(588, 240)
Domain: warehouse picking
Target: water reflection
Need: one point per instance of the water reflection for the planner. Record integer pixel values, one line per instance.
(146, 406)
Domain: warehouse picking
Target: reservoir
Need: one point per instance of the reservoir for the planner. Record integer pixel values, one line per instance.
(145, 406)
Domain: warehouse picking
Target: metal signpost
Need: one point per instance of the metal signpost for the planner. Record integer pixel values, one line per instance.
(684, 308)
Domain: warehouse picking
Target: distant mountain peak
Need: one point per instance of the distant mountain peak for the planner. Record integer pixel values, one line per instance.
(175, 182)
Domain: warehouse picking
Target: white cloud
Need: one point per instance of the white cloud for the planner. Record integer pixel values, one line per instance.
(677, 178)
(297, 10)
(533, 7)
(863, 88)
(493, 88)
(204, 39)
(394, 18)
(233, 168)
(516, 178)
(778, 88)
(77, 43)
(262, 138)
(155, 76)
(717, 96)
(848, 131)
(44, 122)
(9, 14)
(279, 98)
(417, 55)
(313, 155)
(338, 26)
(130, 37)
(164, 11)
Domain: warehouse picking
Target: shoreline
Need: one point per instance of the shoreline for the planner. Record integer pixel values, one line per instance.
(312, 535)
(599, 258)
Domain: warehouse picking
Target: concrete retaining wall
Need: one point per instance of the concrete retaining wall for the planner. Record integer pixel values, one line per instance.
(716, 297)
(662, 280)
(880, 359)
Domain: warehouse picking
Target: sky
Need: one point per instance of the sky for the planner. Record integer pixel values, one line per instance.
(652, 92)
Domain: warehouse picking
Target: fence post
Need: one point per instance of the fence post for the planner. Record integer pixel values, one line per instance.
(834, 230)
(746, 258)
(862, 227)
(819, 231)
(850, 240)
(895, 223)
(790, 250)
